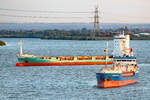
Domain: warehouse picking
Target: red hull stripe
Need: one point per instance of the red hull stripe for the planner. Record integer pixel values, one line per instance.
(63, 64)
(110, 84)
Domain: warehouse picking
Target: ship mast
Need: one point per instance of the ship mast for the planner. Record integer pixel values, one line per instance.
(106, 52)
(20, 44)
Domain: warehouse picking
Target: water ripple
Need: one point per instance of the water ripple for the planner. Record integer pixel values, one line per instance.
(66, 82)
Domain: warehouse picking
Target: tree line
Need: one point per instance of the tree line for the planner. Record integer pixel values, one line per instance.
(81, 34)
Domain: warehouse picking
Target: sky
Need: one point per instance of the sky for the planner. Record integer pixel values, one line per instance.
(111, 11)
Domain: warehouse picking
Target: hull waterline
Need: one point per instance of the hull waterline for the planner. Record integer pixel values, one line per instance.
(63, 64)
(111, 84)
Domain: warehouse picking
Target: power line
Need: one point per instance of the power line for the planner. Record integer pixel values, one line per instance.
(39, 11)
(6, 15)
(123, 19)
(47, 17)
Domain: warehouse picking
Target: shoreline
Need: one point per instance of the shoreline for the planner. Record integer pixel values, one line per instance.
(96, 38)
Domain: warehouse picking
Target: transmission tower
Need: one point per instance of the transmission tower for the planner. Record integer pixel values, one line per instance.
(96, 21)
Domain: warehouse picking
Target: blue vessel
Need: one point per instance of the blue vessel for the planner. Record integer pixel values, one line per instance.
(124, 70)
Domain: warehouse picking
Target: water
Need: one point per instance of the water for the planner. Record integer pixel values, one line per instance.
(66, 82)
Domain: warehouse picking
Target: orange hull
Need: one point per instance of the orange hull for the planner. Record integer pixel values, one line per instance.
(110, 84)
(63, 64)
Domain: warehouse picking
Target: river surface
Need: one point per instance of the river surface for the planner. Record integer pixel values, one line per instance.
(66, 82)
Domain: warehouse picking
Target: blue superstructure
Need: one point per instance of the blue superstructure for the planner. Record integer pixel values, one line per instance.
(126, 57)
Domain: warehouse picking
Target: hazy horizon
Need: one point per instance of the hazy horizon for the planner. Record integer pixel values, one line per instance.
(45, 26)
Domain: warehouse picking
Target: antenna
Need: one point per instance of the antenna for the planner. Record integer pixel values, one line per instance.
(20, 44)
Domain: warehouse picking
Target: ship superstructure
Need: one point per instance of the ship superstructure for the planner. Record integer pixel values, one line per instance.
(122, 45)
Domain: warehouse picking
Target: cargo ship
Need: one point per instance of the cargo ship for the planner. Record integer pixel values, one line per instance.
(124, 70)
(33, 60)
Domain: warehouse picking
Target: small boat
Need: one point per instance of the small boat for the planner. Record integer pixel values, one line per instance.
(124, 70)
